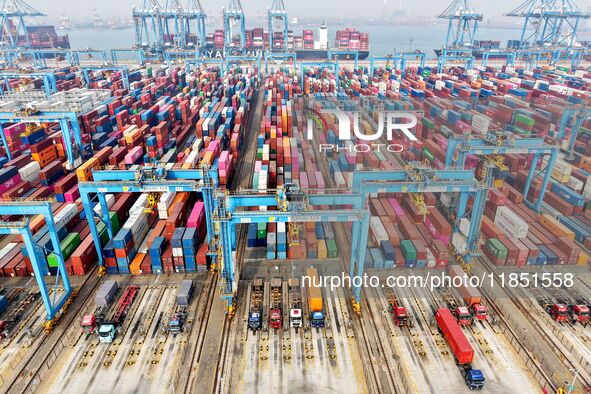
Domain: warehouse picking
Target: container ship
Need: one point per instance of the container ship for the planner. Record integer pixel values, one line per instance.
(305, 45)
(42, 37)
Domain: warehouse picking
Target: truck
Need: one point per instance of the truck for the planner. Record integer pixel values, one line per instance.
(275, 312)
(315, 299)
(399, 312)
(460, 347)
(557, 310)
(471, 295)
(176, 322)
(295, 302)
(102, 299)
(108, 329)
(255, 322)
(579, 313)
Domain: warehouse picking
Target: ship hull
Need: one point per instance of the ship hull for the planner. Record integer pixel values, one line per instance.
(302, 54)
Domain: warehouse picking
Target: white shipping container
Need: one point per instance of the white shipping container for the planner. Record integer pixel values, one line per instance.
(465, 226)
(281, 227)
(7, 249)
(162, 215)
(510, 223)
(144, 245)
(110, 198)
(459, 242)
(165, 200)
(177, 252)
(64, 216)
(575, 184)
(139, 204)
(30, 172)
(378, 230)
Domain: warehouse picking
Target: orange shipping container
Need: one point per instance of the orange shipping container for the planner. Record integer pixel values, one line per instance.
(555, 227)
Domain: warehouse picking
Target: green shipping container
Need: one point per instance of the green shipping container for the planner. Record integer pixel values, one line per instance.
(497, 248)
(262, 230)
(331, 247)
(68, 246)
(519, 118)
(428, 155)
(428, 124)
(408, 250)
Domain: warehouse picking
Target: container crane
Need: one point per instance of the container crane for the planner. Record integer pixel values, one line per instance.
(297, 206)
(463, 24)
(278, 18)
(149, 26)
(195, 12)
(13, 28)
(172, 12)
(37, 255)
(232, 15)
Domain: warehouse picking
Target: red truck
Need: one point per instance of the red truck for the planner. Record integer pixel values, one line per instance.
(275, 313)
(460, 347)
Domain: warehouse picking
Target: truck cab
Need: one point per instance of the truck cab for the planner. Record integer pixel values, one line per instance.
(580, 313)
(559, 312)
(89, 324)
(463, 316)
(176, 323)
(317, 319)
(474, 378)
(2, 329)
(479, 311)
(400, 316)
(295, 317)
(107, 332)
(275, 318)
(254, 321)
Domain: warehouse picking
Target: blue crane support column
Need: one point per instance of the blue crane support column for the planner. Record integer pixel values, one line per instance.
(278, 13)
(48, 78)
(232, 14)
(27, 208)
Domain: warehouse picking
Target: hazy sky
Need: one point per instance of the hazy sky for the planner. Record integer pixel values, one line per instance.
(492, 8)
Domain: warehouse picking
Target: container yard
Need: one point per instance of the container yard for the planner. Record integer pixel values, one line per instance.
(253, 210)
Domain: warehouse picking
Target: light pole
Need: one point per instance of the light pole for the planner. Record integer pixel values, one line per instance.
(571, 386)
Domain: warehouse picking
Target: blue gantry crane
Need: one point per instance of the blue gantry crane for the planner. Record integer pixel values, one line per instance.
(87, 54)
(157, 178)
(278, 22)
(233, 15)
(463, 24)
(36, 254)
(274, 56)
(13, 27)
(461, 55)
(48, 78)
(121, 69)
(322, 65)
(239, 59)
(69, 126)
(292, 205)
(395, 60)
(172, 13)
(501, 143)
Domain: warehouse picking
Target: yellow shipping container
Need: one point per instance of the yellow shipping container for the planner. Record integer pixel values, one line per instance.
(583, 259)
(322, 252)
(555, 227)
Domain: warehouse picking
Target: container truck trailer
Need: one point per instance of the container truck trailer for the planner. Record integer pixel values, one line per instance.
(460, 347)
(103, 299)
(176, 322)
(275, 313)
(109, 328)
(255, 322)
(295, 309)
(315, 299)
